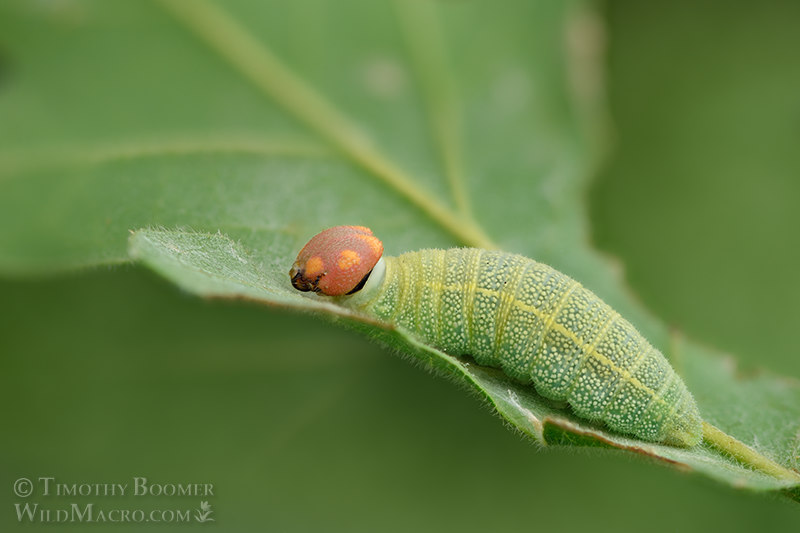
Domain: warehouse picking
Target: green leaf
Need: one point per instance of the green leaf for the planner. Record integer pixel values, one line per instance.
(214, 266)
(244, 128)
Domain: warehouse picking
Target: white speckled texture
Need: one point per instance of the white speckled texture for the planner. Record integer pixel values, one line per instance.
(541, 327)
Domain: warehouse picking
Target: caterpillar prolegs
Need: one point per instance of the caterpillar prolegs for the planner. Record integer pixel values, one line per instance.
(537, 325)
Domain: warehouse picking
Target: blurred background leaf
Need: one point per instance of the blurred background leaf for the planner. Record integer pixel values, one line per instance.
(702, 194)
(111, 375)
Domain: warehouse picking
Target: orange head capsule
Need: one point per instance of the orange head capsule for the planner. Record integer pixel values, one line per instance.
(336, 261)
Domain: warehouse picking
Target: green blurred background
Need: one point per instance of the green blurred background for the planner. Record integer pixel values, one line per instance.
(701, 200)
(112, 373)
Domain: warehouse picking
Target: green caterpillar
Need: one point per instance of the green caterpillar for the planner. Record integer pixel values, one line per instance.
(534, 323)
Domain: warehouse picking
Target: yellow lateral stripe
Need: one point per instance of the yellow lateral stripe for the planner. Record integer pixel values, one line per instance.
(441, 268)
(634, 367)
(415, 269)
(591, 348)
(550, 320)
(469, 292)
(504, 311)
(404, 292)
(627, 376)
(582, 345)
(661, 390)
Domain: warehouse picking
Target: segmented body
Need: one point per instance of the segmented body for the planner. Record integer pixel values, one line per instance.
(541, 327)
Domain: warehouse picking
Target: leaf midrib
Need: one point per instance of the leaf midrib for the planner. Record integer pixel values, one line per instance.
(254, 60)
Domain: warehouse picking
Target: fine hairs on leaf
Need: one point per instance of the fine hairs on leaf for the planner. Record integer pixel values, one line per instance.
(235, 149)
(722, 457)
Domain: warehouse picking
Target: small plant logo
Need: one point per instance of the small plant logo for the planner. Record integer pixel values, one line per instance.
(203, 514)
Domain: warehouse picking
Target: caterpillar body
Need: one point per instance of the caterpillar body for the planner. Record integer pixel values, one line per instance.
(537, 325)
